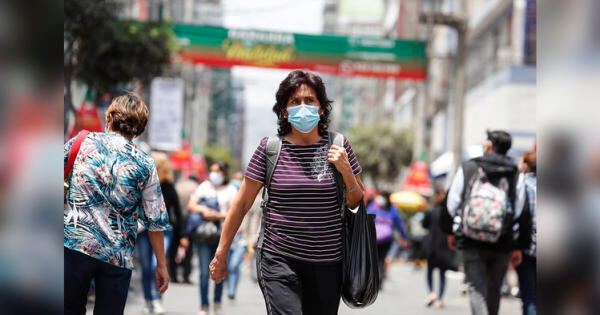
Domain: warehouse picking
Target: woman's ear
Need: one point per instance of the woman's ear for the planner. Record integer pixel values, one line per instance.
(108, 123)
(284, 113)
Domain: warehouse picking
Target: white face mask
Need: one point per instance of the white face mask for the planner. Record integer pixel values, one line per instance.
(216, 178)
(380, 201)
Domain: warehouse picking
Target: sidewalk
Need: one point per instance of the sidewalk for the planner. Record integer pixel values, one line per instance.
(403, 293)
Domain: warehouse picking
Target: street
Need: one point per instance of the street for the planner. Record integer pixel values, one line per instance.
(403, 293)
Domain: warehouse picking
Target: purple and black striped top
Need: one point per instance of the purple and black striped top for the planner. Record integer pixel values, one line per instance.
(302, 218)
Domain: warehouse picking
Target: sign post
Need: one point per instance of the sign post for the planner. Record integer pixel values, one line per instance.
(166, 114)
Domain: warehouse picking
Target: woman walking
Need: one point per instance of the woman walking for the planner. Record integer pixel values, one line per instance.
(527, 269)
(435, 249)
(386, 220)
(147, 259)
(111, 186)
(212, 199)
(299, 249)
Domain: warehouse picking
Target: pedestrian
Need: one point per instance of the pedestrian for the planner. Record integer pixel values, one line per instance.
(251, 231)
(147, 259)
(211, 199)
(386, 220)
(236, 179)
(527, 269)
(185, 188)
(299, 248)
(112, 185)
(417, 236)
(484, 209)
(435, 249)
(243, 242)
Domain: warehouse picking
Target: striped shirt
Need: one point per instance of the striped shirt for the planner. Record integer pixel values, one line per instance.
(302, 217)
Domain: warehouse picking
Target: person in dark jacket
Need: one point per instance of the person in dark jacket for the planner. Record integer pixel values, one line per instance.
(435, 248)
(486, 262)
(147, 260)
(527, 269)
(177, 220)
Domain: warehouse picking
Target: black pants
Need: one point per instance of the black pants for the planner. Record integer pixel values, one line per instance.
(112, 284)
(485, 270)
(172, 254)
(186, 264)
(293, 287)
(382, 250)
(187, 261)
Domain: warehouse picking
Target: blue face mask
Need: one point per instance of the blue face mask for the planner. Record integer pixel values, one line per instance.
(303, 117)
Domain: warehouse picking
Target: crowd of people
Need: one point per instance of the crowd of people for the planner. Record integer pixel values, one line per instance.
(210, 199)
(123, 207)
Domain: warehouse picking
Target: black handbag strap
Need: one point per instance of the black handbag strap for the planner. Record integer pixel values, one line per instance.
(337, 139)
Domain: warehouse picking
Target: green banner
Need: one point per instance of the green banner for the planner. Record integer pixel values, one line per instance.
(352, 56)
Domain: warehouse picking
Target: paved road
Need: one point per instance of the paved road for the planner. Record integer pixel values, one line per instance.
(403, 293)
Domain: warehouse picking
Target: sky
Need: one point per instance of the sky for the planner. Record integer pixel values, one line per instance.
(261, 84)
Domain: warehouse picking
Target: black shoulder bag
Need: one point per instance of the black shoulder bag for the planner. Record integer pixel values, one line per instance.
(360, 273)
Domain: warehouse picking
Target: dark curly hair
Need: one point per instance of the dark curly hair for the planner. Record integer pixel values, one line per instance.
(288, 86)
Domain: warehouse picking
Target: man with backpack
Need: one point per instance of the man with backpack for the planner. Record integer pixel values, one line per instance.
(485, 218)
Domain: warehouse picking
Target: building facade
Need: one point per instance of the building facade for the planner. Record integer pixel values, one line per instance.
(500, 70)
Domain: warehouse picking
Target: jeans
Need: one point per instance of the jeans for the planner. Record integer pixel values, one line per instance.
(430, 281)
(205, 255)
(485, 270)
(112, 284)
(148, 262)
(234, 259)
(527, 284)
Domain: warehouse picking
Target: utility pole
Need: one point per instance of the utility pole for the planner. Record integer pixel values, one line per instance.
(459, 101)
(459, 24)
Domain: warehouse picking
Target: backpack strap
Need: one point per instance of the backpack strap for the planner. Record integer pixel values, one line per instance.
(74, 151)
(272, 151)
(469, 169)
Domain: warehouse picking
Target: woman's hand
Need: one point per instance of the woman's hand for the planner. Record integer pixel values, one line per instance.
(339, 158)
(516, 257)
(198, 208)
(218, 269)
(184, 242)
(353, 185)
(212, 215)
(404, 243)
(451, 239)
(162, 279)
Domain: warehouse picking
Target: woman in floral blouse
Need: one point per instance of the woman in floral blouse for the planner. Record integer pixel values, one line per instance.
(112, 185)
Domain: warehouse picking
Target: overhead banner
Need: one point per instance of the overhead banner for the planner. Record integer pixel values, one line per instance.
(351, 56)
(166, 114)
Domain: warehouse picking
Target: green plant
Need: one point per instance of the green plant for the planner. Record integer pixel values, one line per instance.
(105, 52)
(382, 150)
